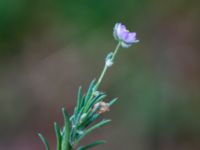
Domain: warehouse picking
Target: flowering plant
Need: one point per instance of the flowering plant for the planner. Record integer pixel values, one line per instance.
(91, 104)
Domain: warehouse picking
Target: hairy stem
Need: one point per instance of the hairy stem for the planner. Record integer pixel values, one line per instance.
(106, 67)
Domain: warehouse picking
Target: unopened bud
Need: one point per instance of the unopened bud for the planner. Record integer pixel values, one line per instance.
(101, 107)
(83, 117)
(109, 62)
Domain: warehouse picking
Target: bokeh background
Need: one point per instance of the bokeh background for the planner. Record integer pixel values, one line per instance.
(50, 47)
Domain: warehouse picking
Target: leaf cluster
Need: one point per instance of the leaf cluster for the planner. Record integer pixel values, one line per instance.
(80, 123)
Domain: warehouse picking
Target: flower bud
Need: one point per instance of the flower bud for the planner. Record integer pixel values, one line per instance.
(83, 116)
(101, 107)
(109, 61)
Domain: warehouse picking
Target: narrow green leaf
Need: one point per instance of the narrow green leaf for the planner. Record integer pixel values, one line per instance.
(58, 136)
(94, 100)
(96, 143)
(78, 117)
(79, 99)
(90, 91)
(75, 123)
(99, 98)
(91, 118)
(66, 134)
(112, 102)
(44, 141)
(98, 125)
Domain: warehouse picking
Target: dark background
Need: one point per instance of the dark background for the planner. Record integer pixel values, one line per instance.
(50, 47)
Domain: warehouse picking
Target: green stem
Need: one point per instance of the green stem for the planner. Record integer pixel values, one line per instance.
(116, 50)
(106, 67)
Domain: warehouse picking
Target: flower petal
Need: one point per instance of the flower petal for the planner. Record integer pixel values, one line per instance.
(131, 37)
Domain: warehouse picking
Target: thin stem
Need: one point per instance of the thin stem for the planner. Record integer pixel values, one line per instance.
(102, 75)
(106, 67)
(116, 50)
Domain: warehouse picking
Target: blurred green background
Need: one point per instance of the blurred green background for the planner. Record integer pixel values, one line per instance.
(50, 47)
